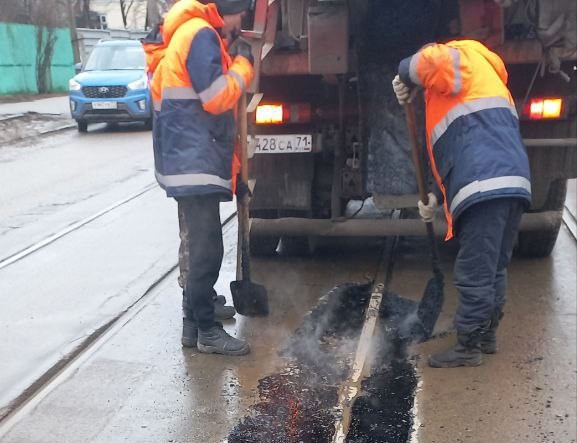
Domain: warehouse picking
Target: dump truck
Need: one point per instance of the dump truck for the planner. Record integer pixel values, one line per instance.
(327, 132)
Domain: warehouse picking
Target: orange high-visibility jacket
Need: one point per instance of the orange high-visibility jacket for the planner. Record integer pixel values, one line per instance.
(195, 87)
(475, 148)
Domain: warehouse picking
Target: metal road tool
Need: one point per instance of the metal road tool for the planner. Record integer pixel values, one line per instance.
(361, 366)
(433, 297)
(249, 298)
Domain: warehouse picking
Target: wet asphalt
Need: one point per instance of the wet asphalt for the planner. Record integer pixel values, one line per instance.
(137, 384)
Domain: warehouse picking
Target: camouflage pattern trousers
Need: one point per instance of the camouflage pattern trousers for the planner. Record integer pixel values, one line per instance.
(200, 255)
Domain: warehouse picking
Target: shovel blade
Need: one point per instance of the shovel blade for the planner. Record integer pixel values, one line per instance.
(431, 305)
(415, 321)
(250, 299)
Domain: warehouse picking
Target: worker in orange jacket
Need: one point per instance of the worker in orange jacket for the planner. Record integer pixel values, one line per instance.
(196, 83)
(481, 169)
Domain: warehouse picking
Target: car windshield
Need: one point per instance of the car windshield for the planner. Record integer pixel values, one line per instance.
(104, 58)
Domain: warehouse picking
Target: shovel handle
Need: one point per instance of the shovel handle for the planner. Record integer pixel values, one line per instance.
(243, 134)
(423, 193)
(416, 152)
(243, 251)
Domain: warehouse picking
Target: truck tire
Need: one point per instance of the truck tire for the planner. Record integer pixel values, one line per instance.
(541, 243)
(263, 246)
(82, 126)
(296, 246)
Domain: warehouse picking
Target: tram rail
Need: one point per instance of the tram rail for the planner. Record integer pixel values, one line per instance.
(39, 389)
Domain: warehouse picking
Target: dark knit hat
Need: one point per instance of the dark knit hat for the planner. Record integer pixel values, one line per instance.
(230, 7)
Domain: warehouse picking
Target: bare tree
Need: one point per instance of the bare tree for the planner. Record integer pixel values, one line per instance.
(36, 12)
(125, 6)
(45, 15)
(45, 40)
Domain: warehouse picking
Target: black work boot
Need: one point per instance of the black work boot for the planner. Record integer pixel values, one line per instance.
(221, 311)
(488, 341)
(467, 352)
(216, 341)
(189, 333)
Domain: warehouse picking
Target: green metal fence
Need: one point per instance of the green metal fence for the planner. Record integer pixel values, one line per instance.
(23, 49)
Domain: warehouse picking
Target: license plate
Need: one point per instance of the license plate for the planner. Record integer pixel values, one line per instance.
(283, 144)
(103, 105)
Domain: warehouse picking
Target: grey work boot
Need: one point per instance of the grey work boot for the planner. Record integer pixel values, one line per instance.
(189, 333)
(216, 341)
(189, 337)
(221, 311)
(467, 352)
(488, 341)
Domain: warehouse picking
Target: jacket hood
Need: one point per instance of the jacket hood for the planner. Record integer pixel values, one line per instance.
(156, 42)
(154, 47)
(185, 10)
(494, 60)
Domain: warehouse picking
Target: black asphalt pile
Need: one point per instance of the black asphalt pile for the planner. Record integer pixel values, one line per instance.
(298, 404)
(16, 127)
(383, 414)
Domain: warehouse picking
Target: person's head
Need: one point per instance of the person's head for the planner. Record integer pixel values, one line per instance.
(232, 12)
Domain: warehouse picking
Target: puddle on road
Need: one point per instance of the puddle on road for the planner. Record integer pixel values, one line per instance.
(298, 404)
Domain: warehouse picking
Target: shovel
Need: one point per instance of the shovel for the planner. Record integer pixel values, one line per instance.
(430, 305)
(249, 298)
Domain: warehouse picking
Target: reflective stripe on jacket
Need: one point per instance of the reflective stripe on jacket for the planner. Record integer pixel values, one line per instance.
(475, 148)
(195, 88)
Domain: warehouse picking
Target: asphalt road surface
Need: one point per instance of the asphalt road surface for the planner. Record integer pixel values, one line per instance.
(90, 320)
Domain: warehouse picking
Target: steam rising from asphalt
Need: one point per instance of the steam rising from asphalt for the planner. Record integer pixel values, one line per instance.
(298, 404)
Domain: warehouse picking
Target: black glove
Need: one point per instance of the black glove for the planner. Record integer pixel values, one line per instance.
(242, 189)
(241, 47)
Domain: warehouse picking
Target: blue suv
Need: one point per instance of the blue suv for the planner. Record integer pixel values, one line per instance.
(112, 86)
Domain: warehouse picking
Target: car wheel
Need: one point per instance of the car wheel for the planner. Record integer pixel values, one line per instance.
(82, 126)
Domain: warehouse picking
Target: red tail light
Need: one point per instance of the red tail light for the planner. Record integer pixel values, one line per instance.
(544, 108)
(278, 114)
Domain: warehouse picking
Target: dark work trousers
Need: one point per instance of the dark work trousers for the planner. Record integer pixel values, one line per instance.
(486, 233)
(200, 218)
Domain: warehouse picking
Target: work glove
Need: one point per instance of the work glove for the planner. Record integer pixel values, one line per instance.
(402, 91)
(427, 212)
(241, 47)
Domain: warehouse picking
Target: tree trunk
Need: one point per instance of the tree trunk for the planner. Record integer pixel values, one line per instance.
(45, 40)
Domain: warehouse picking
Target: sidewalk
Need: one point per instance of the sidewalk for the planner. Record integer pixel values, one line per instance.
(52, 105)
(22, 120)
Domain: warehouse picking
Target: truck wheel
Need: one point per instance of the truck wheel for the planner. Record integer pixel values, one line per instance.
(263, 245)
(82, 126)
(301, 246)
(541, 243)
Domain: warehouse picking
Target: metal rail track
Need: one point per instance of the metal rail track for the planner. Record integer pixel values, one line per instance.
(71, 228)
(68, 364)
(361, 366)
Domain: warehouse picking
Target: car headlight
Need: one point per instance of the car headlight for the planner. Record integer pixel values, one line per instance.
(141, 83)
(73, 85)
